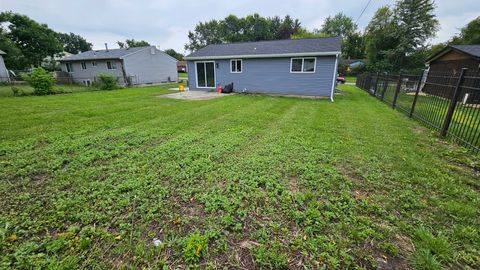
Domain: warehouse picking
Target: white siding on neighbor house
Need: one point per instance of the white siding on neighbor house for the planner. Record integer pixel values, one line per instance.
(80, 75)
(150, 66)
(273, 75)
(3, 71)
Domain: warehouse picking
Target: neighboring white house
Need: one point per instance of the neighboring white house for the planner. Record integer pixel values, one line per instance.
(135, 66)
(3, 69)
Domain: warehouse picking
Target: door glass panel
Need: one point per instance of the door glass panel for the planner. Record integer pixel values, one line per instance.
(201, 74)
(210, 69)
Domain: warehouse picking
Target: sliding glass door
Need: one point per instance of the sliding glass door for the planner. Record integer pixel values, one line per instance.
(205, 74)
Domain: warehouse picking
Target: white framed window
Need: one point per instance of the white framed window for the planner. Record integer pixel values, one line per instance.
(236, 66)
(111, 65)
(303, 65)
(84, 65)
(69, 67)
(94, 64)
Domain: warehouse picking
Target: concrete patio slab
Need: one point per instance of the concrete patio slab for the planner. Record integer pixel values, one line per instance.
(194, 95)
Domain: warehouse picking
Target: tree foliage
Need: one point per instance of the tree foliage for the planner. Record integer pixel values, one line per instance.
(27, 43)
(396, 37)
(470, 34)
(338, 25)
(35, 41)
(73, 43)
(234, 29)
(14, 58)
(304, 33)
(174, 54)
(131, 43)
(416, 23)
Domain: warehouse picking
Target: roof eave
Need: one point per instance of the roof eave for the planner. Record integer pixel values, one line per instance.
(89, 59)
(447, 50)
(277, 55)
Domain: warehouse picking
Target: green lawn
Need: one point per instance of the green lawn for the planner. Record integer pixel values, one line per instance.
(351, 79)
(182, 75)
(91, 179)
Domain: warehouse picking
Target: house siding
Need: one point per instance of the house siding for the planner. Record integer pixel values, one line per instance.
(273, 76)
(145, 67)
(79, 75)
(3, 71)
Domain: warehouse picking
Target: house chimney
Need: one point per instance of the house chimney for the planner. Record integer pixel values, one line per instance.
(106, 47)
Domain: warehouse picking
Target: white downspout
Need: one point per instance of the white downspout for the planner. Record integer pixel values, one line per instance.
(334, 77)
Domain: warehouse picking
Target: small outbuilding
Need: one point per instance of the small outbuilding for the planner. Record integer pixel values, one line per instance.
(453, 58)
(444, 68)
(130, 66)
(289, 67)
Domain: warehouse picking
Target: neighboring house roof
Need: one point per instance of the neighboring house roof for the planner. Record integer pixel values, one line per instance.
(472, 50)
(2, 52)
(103, 54)
(272, 48)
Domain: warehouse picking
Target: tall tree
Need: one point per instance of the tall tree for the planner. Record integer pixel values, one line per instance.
(174, 54)
(417, 23)
(381, 40)
(73, 43)
(343, 25)
(14, 58)
(35, 41)
(353, 46)
(338, 25)
(233, 29)
(130, 43)
(470, 34)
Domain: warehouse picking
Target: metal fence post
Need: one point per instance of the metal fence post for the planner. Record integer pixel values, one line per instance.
(417, 91)
(375, 86)
(397, 91)
(385, 86)
(453, 104)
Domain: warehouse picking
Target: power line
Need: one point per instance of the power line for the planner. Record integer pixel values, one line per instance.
(366, 6)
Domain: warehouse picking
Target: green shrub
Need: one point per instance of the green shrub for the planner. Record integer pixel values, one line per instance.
(41, 81)
(107, 82)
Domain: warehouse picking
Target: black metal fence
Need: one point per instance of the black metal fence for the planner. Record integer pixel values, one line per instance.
(447, 103)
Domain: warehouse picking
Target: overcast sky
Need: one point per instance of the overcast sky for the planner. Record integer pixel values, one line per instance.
(165, 23)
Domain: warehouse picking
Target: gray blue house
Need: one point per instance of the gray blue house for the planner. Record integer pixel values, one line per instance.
(292, 67)
(135, 66)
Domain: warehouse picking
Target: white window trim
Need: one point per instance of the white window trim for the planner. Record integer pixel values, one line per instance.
(83, 65)
(214, 75)
(241, 65)
(112, 65)
(303, 62)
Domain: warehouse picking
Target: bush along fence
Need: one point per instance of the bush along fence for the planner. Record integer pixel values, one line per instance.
(447, 103)
(65, 78)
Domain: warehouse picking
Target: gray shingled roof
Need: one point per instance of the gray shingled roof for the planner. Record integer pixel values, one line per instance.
(102, 54)
(470, 49)
(473, 50)
(2, 52)
(268, 48)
